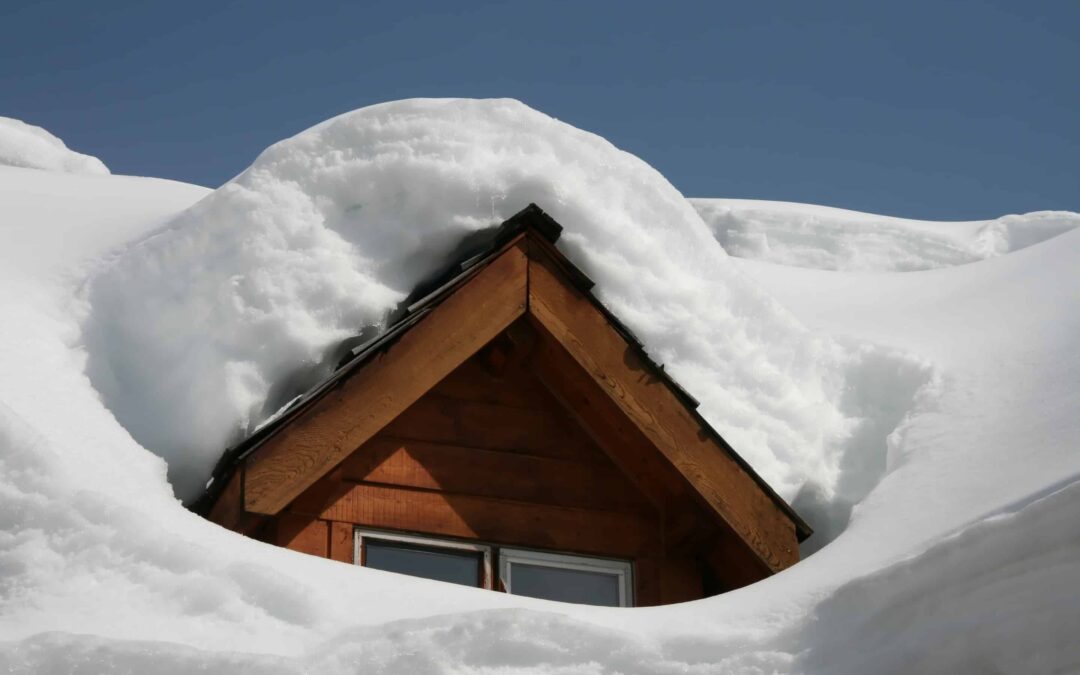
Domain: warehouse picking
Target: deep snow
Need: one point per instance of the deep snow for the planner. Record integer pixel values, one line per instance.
(326, 232)
(934, 431)
(30, 147)
(822, 237)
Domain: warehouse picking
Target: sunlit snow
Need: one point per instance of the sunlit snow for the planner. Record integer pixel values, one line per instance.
(30, 147)
(826, 238)
(925, 421)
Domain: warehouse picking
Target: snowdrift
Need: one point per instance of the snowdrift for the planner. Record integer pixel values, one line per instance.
(247, 292)
(27, 146)
(825, 238)
(927, 419)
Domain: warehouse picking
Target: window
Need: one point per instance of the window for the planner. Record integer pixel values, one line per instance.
(442, 560)
(536, 574)
(567, 578)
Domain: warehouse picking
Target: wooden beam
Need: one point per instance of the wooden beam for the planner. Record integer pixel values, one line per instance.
(495, 520)
(627, 380)
(348, 416)
(621, 440)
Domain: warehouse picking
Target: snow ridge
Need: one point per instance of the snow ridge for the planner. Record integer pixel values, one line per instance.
(946, 449)
(26, 146)
(822, 237)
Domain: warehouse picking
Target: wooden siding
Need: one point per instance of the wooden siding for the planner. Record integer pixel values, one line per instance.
(515, 413)
(491, 455)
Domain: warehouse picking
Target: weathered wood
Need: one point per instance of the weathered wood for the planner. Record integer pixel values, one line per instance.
(584, 332)
(363, 404)
(341, 542)
(505, 522)
(303, 534)
(493, 473)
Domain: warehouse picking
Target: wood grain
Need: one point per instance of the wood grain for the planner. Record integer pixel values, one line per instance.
(497, 521)
(341, 542)
(536, 430)
(303, 534)
(494, 473)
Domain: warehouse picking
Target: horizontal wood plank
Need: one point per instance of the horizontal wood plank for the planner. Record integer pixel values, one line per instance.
(321, 437)
(496, 521)
(303, 534)
(493, 473)
(478, 424)
(475, 381)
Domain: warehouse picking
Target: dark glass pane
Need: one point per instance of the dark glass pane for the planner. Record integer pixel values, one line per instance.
(456, 567)
(554, 583)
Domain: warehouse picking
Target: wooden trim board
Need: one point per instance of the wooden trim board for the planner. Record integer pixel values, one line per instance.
(340, 422)
(586, 334)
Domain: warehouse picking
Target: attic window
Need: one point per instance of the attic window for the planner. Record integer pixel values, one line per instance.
(536, 574)
(567, 578)
(439, 559)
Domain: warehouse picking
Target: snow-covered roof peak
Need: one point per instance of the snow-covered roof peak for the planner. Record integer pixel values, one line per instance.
(247, 292)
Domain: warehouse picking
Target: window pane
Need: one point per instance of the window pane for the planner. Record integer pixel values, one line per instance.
(457, 567)
(565, 585)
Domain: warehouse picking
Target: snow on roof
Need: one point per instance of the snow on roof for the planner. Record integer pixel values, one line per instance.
(956, 477)
(250, 290)
(26, 146)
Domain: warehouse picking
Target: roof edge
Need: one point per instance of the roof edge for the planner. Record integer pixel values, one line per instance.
(431, 293)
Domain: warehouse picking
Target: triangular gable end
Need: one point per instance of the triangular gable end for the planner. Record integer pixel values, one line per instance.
(528, 290)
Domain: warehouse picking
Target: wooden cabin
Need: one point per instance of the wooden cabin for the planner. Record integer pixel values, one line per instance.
(506, 431)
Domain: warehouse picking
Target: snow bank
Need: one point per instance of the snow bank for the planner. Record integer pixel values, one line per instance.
(194, 331)
(821, 237)
(27, 146)
(960, 555)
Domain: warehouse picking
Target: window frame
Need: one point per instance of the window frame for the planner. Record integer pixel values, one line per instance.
(420, 541)
(622, 569)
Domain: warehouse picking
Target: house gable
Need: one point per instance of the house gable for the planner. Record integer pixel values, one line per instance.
(526, 313)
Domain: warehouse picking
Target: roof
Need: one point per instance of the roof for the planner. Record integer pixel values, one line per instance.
(471, 256)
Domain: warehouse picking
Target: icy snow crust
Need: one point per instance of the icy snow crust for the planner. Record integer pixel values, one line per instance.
(826, 238)
(27, 146)
(961, 551)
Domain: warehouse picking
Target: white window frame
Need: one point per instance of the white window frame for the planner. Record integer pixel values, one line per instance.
(623, 569)
(430, 542)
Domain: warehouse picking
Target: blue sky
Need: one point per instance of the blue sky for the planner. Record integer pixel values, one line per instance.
(941, 110)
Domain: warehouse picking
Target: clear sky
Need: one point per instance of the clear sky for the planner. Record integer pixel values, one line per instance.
(941, 110)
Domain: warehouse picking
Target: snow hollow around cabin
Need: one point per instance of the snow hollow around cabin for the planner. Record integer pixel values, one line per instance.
(924, 422)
